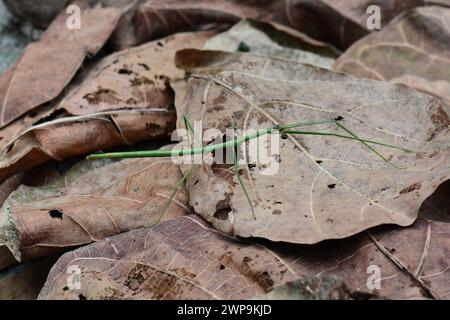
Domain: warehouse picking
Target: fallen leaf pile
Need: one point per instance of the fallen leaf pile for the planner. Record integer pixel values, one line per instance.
(336, 212)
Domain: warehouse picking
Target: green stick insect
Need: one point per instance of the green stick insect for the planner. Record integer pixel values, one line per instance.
(235, 142)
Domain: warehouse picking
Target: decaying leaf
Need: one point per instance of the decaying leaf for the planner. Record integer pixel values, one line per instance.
(47, 66)
(264, 39)
(154, 19)
(321, 187)
(179, 259)
(109, 200)
(414, 50)
(137, 78)
(342, 22)
(77, 135)
(125, 98)
(184, 259)
(338, 22)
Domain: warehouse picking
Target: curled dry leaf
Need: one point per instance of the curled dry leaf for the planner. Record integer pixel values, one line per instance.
(322, 187)
(125, 98)
(154, 19)
(106, 201)
(265, 39)
(414, 49)
(184, 259)
(77, 135)
(343, 22)
(338, 22)
(47, 66)
(137, 78)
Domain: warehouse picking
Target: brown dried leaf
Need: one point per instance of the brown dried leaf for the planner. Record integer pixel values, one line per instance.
(342, 22)
(47, 66)
(77, 135)
(338, 22)
(184, 259)
(155, 18)
(325, 187)
(414, 50)
(125, 98)
(110, 200)
(137, 78)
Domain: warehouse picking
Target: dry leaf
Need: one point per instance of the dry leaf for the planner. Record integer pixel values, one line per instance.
(323, 187)
(47, 66)
(137, 78)
(414, 50)
(110, 200)
(125, 98)
(62, 138)
(179, 259)
(154, 19)
(342, 22)
(338, 22)
(184, 259)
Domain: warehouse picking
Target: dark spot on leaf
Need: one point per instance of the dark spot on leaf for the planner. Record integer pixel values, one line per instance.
(411, 188)
(143, 65)
(137, 81)
(152, 126)
(222, 214)
(338, 118)
(277, 212)
(247, 259)
(55, 214)
(65, 288)
(243, 47)
(82, 297)
(223, 208)
(319, 161)
(332, 186)
(221, 267)
(124, 71)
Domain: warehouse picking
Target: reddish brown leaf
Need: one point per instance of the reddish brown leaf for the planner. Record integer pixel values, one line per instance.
(71, 136)
(414, 50)
(338, 22)
(103, 202)
(155, 18)
(47, 66)
(323, 187)
(184, 259)
(137, 78)
(342, 22)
